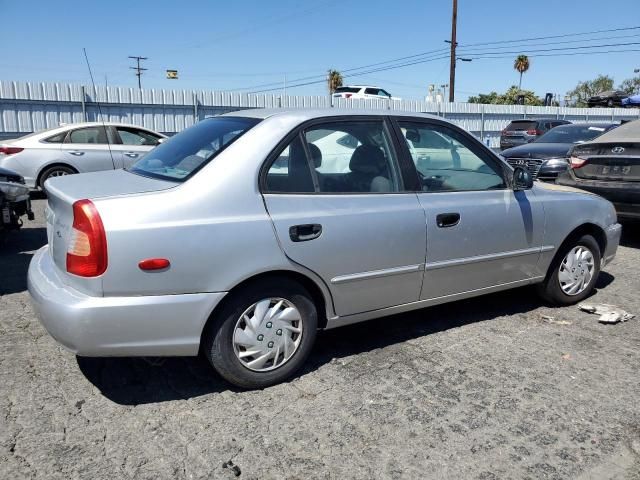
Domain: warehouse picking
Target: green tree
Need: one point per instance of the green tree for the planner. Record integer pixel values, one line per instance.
(586, 89)
(510, 97)
(334, 80)
(631, 85)
(521, 64)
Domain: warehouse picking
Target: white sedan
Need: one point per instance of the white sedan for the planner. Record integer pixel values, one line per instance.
(76, 148)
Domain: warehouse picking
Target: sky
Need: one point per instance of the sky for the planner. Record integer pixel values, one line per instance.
(255, 45)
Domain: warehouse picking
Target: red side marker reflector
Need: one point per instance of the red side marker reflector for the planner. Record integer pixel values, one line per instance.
(154, 264)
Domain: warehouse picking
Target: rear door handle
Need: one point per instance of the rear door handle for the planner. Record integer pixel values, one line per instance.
(445, 220)
(77, 153)
(131, 154)
(303, 233)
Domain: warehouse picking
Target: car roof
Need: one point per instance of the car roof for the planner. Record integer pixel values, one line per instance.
(539, 120)
(629, 132)
(584, 124)
(304, 114)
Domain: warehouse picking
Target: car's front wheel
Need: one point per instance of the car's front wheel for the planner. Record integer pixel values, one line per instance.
(573, 274)
(263, 334)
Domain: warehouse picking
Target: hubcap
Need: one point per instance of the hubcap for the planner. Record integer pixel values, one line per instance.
(576, 270)
(58, 173)
(267, 334)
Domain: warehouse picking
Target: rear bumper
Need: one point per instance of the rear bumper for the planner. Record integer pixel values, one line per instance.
(625, 196)
(162, 325)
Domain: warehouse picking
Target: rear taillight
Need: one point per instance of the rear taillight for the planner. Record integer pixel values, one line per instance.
(533, 131)
(577, 162)
(87, 250)
(8, 150)
(347, 95)
(503, 132)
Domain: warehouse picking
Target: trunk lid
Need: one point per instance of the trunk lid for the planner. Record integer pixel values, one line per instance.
(610, 162)
(63, 192)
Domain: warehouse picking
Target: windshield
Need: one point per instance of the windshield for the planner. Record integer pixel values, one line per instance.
(572, 134)
(188, 151)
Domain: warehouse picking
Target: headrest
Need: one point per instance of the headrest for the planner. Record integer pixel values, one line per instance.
(367, 159)
(316, 155)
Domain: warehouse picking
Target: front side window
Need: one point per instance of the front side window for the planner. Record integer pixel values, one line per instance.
(448, 161)
(188, 151)
(89, 135)
(134, 136)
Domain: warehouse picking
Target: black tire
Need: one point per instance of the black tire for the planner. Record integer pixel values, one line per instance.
(610, 103)
(217, 342)
(55, 171)
(551, 290)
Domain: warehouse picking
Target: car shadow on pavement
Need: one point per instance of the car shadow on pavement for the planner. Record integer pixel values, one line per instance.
(134, 381)
(16, 250)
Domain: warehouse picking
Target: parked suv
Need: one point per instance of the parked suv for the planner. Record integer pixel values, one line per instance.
(362, 91)
(519, 132)
(244, 234)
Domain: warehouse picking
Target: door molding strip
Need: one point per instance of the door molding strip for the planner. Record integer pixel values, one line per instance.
(387, 272)
(486, 258)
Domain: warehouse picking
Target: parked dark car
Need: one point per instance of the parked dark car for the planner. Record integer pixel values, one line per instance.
(14, 200)
(548, 156)
(610, 167)
(610, 98)
(520, 132)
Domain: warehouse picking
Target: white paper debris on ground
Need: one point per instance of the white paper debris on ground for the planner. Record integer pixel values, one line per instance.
(552, 320)
(608, 313)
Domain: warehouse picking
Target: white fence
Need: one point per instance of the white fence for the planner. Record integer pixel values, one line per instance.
(26, 107)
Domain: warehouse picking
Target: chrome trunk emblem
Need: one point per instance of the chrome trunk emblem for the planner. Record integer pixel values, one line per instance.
(617, 150)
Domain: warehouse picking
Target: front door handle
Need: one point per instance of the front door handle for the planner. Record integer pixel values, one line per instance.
(131, 154)
(77, 153)
(303, 233)
(445, 220)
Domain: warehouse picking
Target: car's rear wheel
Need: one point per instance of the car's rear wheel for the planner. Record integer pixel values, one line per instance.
(574, 272)
(55, 171)
(263, 334)
(610, 102)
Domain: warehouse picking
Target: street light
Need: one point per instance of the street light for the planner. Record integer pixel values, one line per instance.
(464, 59)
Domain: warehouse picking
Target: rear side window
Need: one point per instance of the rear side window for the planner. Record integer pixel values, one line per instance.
(59, 138)
(290, 172)
(95, 135)
(347, 90)
(135, 136)
(188, 151)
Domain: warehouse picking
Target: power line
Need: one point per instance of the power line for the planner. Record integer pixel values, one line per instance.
(321, 77)
(470, 50)
(551, 36)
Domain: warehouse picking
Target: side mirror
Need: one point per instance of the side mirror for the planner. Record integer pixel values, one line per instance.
(522, 179)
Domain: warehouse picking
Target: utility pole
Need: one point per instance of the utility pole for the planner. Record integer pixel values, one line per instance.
(138, 69)
(452, 66)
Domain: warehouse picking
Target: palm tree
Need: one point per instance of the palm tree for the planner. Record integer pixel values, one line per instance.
(521, 65)
(334, 80)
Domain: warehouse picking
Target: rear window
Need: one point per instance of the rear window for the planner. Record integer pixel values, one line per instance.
(187, 152)
(572, 134)
(524, 125)
(347, 90)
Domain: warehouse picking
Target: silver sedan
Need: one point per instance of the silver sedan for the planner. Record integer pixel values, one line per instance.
(76, 148)
(243, 235)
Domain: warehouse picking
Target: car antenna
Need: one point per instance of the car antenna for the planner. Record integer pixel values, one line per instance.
(95, 93)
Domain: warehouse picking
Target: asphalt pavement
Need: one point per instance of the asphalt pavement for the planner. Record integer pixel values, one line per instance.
(495, 387)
